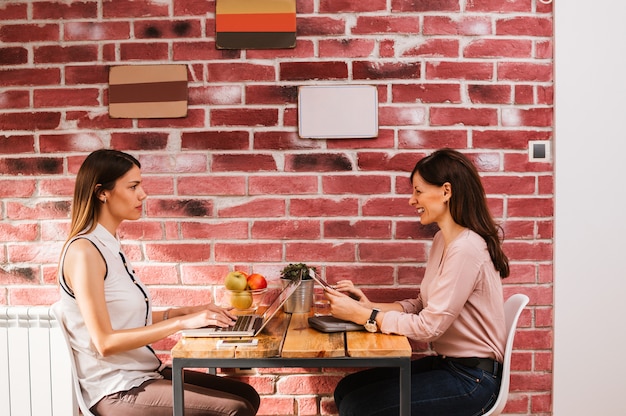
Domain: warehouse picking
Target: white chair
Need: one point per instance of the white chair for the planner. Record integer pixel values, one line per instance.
(57, 312)
(512, 310)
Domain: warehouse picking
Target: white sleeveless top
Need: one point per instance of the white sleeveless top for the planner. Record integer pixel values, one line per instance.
(129, 306)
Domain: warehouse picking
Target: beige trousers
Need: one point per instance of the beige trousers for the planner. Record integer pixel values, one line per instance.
(205, 394)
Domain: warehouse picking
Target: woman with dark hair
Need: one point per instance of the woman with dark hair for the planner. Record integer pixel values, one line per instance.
(108, 311)
(459, 309)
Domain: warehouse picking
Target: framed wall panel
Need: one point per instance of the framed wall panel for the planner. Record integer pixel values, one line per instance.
(255, 24)
(338, 111)
(148, 91)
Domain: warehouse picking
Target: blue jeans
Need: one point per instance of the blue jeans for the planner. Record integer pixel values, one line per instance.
(438, 388)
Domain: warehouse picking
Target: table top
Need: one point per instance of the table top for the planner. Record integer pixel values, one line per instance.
(289, 336)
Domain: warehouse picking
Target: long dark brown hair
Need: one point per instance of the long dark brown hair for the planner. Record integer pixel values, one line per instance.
(99, 171)
(468, 202)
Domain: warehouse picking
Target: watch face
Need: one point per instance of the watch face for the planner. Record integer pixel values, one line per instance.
(371, 326)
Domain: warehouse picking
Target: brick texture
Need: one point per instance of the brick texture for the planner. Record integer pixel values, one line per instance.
(232, 185)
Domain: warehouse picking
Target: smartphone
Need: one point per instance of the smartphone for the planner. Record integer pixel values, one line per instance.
(327, 285)
(223, 343)
(320, 281)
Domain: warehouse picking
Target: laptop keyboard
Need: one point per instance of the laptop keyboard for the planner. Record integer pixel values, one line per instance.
(242, 324)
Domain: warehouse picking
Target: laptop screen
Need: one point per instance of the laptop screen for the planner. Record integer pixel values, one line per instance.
(281, 299)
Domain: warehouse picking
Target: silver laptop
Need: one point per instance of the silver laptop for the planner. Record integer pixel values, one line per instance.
(247, 325)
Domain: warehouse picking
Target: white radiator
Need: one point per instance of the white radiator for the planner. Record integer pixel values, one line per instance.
(35, 369)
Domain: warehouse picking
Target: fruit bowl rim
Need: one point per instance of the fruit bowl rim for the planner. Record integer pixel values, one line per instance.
(253, 291)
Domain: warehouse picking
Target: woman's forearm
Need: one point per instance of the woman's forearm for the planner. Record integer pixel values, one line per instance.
(173, 312)
(385, 307)
(115, 341)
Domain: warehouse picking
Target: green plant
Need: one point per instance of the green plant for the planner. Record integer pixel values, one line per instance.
(292, 271)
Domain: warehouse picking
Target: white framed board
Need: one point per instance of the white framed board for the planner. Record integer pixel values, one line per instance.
(338, 111)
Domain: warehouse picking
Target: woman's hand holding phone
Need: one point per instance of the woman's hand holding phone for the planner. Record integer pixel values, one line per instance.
(347, 287)
(347, 302)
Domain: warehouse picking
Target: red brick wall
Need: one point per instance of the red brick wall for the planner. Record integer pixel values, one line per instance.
(233, 186)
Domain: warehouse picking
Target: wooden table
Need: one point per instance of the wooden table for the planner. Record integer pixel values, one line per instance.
(288, 341)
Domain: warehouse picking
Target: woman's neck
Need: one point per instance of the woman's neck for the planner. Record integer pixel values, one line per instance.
(109, 223)
(450, 230)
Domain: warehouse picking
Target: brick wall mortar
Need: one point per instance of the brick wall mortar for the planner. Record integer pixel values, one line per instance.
(229, 182)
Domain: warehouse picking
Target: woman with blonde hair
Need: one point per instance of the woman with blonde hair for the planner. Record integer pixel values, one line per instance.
(108, 311)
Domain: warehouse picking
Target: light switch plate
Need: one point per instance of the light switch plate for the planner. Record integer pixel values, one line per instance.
(539, 151)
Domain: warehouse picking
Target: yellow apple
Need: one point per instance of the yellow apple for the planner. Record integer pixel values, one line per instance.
(236, 280)
(241, 300)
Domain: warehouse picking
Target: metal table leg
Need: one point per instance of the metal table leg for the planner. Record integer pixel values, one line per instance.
(177, 387)
(405, 388)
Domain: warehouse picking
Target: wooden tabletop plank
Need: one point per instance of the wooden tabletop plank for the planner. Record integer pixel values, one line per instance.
(188, 347)
(366, 344)
(304, 342)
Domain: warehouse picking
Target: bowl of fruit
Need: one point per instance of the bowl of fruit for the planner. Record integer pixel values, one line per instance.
(243, 291)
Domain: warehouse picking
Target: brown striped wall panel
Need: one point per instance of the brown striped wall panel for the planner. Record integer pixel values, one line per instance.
(148, 91)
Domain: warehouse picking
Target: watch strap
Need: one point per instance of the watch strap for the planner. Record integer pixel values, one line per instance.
(372, 317)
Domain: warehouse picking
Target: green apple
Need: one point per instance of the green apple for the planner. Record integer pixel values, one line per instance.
(236, 280)
(241, 300)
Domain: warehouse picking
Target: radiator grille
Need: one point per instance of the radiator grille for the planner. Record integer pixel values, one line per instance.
(35, 370)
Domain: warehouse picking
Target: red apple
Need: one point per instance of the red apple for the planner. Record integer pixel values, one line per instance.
(257, 281)
(236, 280)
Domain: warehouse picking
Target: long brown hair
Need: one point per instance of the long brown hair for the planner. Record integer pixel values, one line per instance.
(99, 171)
(468, 202)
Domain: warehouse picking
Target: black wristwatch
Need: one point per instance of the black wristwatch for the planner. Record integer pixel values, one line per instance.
(371, 325)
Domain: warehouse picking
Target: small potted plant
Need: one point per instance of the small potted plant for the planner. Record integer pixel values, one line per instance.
(302, 299)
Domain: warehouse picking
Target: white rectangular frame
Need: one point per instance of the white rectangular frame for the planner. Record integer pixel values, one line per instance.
(338, 111)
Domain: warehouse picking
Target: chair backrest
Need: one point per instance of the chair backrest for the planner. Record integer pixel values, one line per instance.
(57, 311)
(512, 310)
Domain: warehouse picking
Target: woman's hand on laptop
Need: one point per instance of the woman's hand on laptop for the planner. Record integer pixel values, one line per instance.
(208, 315)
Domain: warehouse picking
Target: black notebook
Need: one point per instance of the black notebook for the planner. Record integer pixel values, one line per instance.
(332, 324)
